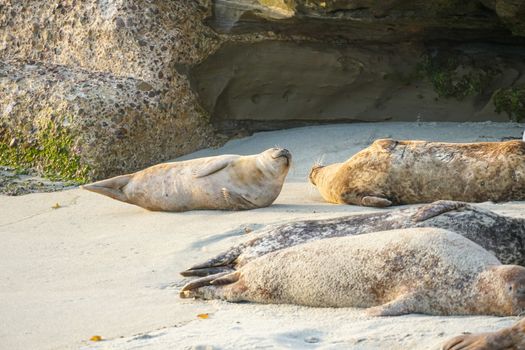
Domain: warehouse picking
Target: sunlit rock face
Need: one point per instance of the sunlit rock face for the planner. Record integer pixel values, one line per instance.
(105, 70)
(137, 82)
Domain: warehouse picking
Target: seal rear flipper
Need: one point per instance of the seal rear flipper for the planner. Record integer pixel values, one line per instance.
(224, 261)
(209, 287)
(373, 201)
(436, 208)
(110, 187)
(207, 271)
(404, 304)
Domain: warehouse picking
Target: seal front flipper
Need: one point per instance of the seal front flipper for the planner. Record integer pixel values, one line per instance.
(237, 201)
(110, 187)
(404, 304)
(373, 201)
(436, 208)
(212, 167)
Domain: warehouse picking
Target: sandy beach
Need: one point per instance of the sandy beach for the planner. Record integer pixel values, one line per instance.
(94, 266)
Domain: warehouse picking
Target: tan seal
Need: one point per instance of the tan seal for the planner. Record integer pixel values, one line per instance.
(501, 235)
(418, 270)
(406, 172)
(510, 338)
(228, 182)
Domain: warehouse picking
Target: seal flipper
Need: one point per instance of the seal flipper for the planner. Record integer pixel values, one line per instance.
(237, 201)
(224, 262)
(212, 167)
(465, 341)
(207, 271)
(110, 187)
(210, 287)
(373, 201)
(404, 304)
(436, 208)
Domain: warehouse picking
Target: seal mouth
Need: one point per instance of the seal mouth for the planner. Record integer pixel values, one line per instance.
(283, 153)
(313, 170)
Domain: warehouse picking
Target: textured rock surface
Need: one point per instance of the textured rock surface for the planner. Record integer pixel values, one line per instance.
(361, 60)
(136, 82)
(273, 84)
(107, 71)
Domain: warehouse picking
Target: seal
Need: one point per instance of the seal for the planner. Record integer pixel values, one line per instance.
(227, 182)
(419, 270)
(505, 339)
(501, 235)
(391, 172)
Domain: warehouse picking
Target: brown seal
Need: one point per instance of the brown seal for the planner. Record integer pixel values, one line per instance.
(418, 270)
(406, 172)
(227, 182)
(501, 235)
(510, 338)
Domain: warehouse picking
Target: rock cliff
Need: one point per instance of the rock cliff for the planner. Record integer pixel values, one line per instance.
(90, 89)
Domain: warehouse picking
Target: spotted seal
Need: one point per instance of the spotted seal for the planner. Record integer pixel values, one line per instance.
(391, 172)
(418, 270)
(228, 182)
(502, 235)
(505, 339)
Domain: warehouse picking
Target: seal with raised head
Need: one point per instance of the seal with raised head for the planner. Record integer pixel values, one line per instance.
(419, 270)
(227, 182)
(509, 338)
(503, 236)
(391, 172)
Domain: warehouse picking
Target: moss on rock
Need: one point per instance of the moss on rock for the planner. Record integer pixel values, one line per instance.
(511, 101)
(51, 152)
(452, 78)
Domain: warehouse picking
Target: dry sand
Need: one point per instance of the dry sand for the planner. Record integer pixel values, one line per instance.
(95, 266)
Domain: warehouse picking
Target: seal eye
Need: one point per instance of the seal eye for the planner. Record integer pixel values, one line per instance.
(510, 288)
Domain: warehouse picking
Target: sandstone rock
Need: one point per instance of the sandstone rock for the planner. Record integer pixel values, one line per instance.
(135, 82)
(109, 69)
(117, 125)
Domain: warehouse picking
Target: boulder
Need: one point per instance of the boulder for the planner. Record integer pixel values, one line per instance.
(123, 84)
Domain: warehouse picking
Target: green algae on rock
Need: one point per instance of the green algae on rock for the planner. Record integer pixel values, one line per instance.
(511, 101)
(51, 153)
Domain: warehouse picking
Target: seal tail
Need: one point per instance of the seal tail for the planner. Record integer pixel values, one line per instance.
(110, 187)
(221, 263)
(209, 287)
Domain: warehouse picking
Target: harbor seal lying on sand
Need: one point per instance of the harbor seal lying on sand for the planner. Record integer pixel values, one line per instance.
(418, 270)
(228, 182)
(501, 235)
(393, 172)
(510, 338)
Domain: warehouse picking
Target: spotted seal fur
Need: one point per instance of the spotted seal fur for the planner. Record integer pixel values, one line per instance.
(418, 270)
(391, 172)
(502, 235)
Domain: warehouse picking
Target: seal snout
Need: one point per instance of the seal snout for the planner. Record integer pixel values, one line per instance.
(282, 153)
(313, 172)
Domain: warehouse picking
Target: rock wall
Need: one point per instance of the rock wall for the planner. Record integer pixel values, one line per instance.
(105, 71)
(363, 61)
(123, 84)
